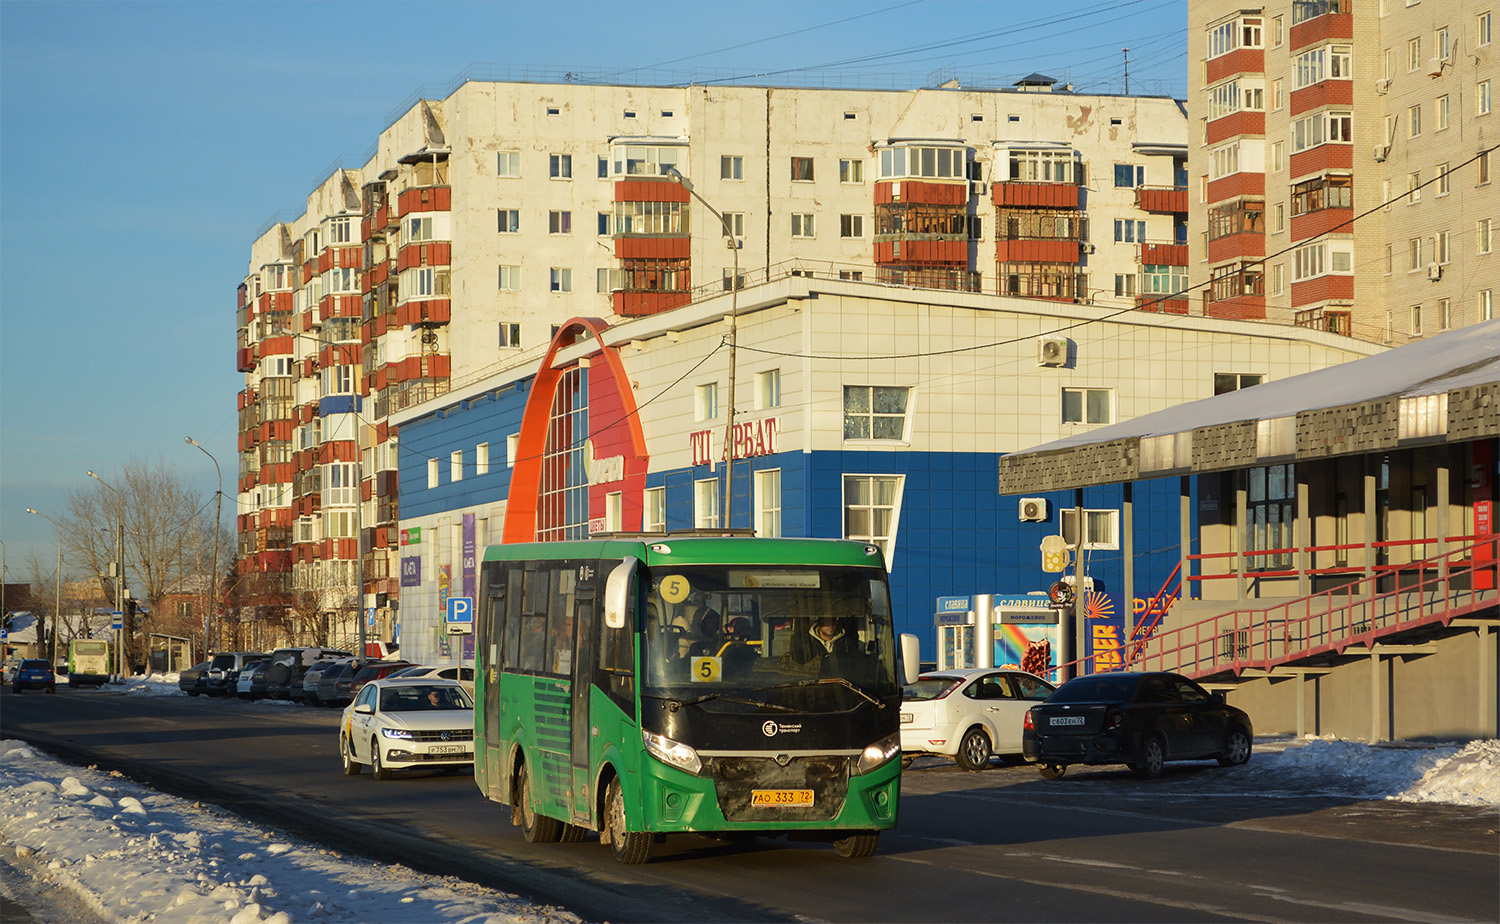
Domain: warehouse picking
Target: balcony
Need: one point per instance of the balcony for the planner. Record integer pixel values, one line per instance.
(1026, 194)
(1330, 287)
(1162, 200)
(1239, 61)
(638, 303)
(919, 192)
(1320, 21)
(1037, 251)
(424, 199)
(1234, 124)
(1164, 254)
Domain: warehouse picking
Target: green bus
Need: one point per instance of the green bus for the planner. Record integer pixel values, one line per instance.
(644, 686)
(88, 662)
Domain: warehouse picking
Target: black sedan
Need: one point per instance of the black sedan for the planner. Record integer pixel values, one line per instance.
(1140, 720)
(194, 680)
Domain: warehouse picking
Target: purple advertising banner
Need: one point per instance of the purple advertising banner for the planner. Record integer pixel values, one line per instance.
(411, 571)
(470, 577)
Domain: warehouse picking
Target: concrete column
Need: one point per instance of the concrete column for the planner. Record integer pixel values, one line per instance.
(1374, 697)
(1302, 535)
(1443, 488)
(1185, 531)
(984, 630)
(1128, 528)
(1080, 533)
(1242, 536)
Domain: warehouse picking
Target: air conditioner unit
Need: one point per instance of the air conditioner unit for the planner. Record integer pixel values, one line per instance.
(1435, 67)
(1381, 150)
(1434, 271)
(1033, 509)
(1052, 351)
(1383, 86)
(976, 188)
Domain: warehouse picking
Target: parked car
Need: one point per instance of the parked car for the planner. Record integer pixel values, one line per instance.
(34, 674)
(464, 675)
(314, 674)
(374, 670)
(968, 714)
(251, 684)
(334, 682)
(224, 670)
(1141, 720)
(9, 671)
(194, 680)
(401, 724)
(289, 666)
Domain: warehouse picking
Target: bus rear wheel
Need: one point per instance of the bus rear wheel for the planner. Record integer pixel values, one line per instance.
(537, 829)
(628, 847)
(857, 846)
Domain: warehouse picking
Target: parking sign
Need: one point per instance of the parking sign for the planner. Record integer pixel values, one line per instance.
(460, 616)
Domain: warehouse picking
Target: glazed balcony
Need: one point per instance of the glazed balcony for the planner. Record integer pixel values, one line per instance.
(1321, 20)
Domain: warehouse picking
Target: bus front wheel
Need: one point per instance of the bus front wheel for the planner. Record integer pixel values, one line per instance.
(629, 847)
(857, 846)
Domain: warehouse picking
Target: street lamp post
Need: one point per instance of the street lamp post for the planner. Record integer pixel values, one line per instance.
(56, 613)
(119, 575)
(734, 315)
(212, 602)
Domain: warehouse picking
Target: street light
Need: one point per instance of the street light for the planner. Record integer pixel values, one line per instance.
(734, 316)
(57, 613)
(213, 568)
(119, 574)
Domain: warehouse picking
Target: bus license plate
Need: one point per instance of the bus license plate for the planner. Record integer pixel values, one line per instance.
(446, 749)
(1067, 720)
(781, 797)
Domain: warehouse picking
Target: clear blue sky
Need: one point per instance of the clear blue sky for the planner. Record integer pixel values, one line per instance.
(142, 145)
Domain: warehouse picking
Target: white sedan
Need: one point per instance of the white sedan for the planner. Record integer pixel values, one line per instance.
(464, 675)
(400, 724)
(968, 714)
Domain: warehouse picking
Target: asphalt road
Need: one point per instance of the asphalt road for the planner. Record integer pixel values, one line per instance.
(1002, 845)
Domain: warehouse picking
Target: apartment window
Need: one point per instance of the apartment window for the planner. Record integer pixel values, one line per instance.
(875, 412)
(1321, 128)
(1443, 185)
(1270, 495)
(706, 503)
(1416, 321)
(1340, 62)
(1276, 95)
(1414, 121)
(510, 221)
(1444, 48)
(1484, 237)
(1129, 231)
(1280, 219)
(1101, 528)
(341, 230)
(706, 401)
(560, 166)
(604, 224)
(1031, 166)
(614, 511)
(605, 279)
(1278, 155)
(1413, 53)
(1482, 27)
(1087, 405)
(1278, 279)
(802, 169)
(509, 164)
(767, 389)
(1310, 261)
(1225, 160)
(1440, 120)
(1124, 284)
(654, 512)
(851, 226)
(740, 284)
(1390, 259)
(851, 171)
(1413, 254)
(1162, 279)
(802, 224)
(645, 159)
(768, 502)
(512, 448)
(510, 335)
(418, 229)
(482, 459)
(1241, 32)
(731, 167)
(432, 473)
(1483, 162)
(1129, 175)
(561, 279)
(559, 222)
(456, 465)
(1445, 313)
(1440, 247)
(871, 507)
(1414, 187)
(1482, 98)
(1485, 305)
(1276, 32)
(851, 275)
(601, 167)
(941, 163)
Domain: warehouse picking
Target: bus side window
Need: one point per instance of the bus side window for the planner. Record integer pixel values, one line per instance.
(616, 675)
(511, 633)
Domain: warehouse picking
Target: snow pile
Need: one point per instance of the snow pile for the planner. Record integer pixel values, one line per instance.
(136, 855)
(1452, 774)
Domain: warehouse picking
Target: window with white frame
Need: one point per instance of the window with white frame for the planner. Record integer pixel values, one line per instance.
(341, 230)
(875, 412)
(802, 224)
(603, 224)
(706, 503)
(768, 502)
(1440, 116)
(1130, 231)
(510, 335)
(1482, 98)
(736, 223)
(417, 228)
(1124, 284)
(559, 222)
(1484, 305)
(802, 169)
(1414, 187)
(1044, 166)
(654, 510)
(1445, 313)
(1129, 175)
(1234, 34)
(1163, 279)
(509, 221)
(1225, 160)
(339, 380)
(1088, 405)
(1414, 120)
(512, 448)
(482, 459)
(1484, 236)
(614, 511)
(1322, 128)
(560, 166)
(1416, 321)
(561, 279)
(872, 505)
(731, 167)
(1440, 248)
(1444, 186)
(767, 389)
(851, 226)
(456, 465)
(341, 280)
(509, 164)
(923, 162)
(1483, 27)
(851, 171)
(432, 473)
(706, 401)
(1413, 53)
(1101, 528)
(510, 278)
(646, 159)
(428, 282)
(340, 482)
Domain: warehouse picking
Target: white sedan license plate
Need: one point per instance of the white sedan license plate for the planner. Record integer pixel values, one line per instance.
(446, 749)
(1067, 720)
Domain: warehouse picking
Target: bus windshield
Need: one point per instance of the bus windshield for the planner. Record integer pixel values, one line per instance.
(720, 631)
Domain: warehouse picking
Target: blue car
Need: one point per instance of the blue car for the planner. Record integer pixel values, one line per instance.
(34, 674)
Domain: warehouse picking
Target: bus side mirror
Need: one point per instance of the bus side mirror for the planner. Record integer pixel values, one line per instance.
(911, 658)
(617, 593)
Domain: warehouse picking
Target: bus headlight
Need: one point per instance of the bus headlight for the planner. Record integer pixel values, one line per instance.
(878, 753)
(673, 753)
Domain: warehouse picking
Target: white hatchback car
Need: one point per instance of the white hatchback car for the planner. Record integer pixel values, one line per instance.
(400, 724)
(968, 714)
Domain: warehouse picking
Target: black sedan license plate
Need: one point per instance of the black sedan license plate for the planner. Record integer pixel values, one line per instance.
(1067, 720)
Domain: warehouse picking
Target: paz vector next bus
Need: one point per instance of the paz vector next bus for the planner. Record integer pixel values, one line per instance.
(646, 686)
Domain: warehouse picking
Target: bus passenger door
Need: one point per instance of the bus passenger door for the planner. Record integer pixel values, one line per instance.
(585, 635)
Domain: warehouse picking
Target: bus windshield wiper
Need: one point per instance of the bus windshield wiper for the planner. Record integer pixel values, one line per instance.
(850, 684)
(675, 704)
